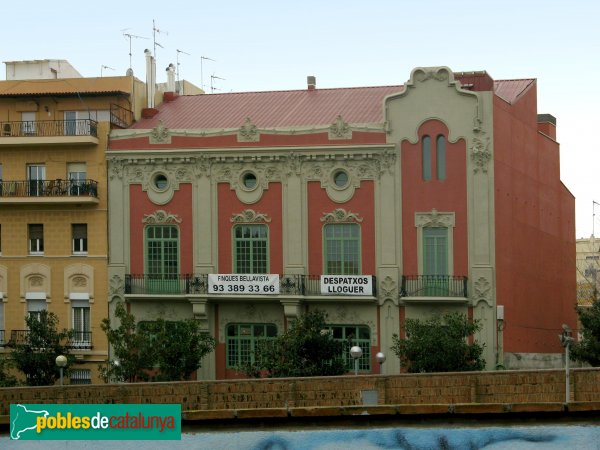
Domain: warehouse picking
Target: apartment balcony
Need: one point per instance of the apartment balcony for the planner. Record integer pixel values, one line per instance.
(434, 288)
(80, 340)
(287, 285)
(49, 132)
(49, 191)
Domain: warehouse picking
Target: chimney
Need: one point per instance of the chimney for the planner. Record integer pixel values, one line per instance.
(171, 78)
(311, 81)
(546, 124)
(150, 78)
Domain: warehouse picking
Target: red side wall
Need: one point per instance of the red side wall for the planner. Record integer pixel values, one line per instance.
(362, 203)
(181, 205)
(535, 231)
(449, 195)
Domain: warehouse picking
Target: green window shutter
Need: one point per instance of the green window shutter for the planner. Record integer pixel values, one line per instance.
(342, 249)
(251, 249)
(435, 251)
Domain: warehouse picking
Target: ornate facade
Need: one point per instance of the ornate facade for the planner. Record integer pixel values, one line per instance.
(373, 204)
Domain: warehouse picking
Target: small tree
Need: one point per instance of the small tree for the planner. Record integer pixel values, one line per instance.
(588, 349)
(36, 354)
(180, 347)
(307, 349)
(439, 344)
(6, 379)
(132, 350)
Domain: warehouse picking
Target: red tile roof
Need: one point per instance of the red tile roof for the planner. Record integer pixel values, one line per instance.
(281, 109)
(511, 90)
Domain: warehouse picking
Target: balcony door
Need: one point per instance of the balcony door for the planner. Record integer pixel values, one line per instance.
(36, 174)
(435, 261)
(28, 126)
(70, 123)
(162, 259)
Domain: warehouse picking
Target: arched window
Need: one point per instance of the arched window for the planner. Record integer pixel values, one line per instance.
(426, 157)
(441, 157)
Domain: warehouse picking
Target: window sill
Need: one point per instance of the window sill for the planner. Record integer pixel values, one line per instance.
(80, 253)
(36, 253)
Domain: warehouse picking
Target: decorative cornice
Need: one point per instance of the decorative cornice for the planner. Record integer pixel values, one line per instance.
(159, 217)
(434, 219)
(115, 168)
(249, 216)
(387, 161)
(160, 134)
(248, 132)
(339, 129)
(340, 215)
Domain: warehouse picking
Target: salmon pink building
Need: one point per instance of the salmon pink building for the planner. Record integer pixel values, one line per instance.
(374, 204)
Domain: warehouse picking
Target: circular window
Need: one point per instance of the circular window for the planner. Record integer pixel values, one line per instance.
(340, 178)
(249, 180)
(160, 182)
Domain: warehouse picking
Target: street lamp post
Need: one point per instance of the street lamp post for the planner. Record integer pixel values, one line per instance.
(566, 339)
(61, 362)
(356, 353)
(380, 357)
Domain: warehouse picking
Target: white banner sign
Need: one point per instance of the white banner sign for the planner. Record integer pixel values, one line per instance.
(240, 284)
(346, 285)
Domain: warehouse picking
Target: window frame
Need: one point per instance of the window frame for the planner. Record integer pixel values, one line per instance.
(426, 158)
(440, 157)
(39, 242)
(250, 344)
(147, 266)
(83, 242)
(252, 248)
(343, 239)
(364, 362)
(434, 219)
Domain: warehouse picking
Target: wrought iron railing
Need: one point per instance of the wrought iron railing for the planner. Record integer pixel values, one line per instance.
(120, 117)
(49, 188)
(81, 340)
(2, 338)
(48, 128)
(181, 284)
(433, 286)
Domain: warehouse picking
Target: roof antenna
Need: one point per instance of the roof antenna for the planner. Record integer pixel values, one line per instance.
(178, 84)
(154, 31)
(214, 77)
(202, 58)
(130, 36)
(104, 67)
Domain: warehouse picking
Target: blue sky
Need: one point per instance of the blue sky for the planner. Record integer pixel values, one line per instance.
(273, 45)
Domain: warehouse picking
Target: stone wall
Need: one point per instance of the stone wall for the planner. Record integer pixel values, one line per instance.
(502, 387)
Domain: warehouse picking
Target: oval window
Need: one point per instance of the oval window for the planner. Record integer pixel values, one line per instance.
(340, 178)
(249, 180)
(161, 182)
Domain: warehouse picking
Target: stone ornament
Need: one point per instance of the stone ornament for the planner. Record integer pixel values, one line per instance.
(79, 282)
(36, 281)
(434, 219)
(248, 132)
(482, 288)
(249, 216)
(160, 134)
(160, 217)
(480, 154)
(388, 289)
(340, 215)
(339, 129)
(116, 286)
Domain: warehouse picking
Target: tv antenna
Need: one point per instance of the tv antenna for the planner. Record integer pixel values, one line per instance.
(178, 52)
(202, 58)
(131, 36)
(104, 67)
(594, 203)
(212, 78)
(154, 31)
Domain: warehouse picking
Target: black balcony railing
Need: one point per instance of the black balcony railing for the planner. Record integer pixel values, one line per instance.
(80, 340)
(198, 284)
(2, 343)
(49, 128)
(433, 286)
(49, 188)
